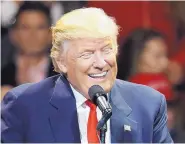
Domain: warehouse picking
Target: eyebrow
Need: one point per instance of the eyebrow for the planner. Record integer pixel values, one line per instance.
(92, 49)
(106, 45)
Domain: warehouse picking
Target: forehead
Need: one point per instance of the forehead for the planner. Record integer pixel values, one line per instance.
(156, 44)
(32, 17)
(91, 42)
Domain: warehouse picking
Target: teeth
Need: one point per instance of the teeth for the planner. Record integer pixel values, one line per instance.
(98, 75)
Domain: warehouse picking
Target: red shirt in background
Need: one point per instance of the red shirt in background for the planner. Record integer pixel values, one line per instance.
(156, 81)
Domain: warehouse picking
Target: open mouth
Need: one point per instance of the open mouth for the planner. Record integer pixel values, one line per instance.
(99, 75)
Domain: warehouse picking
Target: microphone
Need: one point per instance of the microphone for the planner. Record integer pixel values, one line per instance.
(99, 98)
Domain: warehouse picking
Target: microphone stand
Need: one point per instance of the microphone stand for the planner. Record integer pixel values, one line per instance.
(103, 131)
(102, 124)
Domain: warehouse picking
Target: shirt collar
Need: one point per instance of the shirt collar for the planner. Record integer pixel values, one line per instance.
(80, 99)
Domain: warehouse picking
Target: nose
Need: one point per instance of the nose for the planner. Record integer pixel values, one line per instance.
(99, 61)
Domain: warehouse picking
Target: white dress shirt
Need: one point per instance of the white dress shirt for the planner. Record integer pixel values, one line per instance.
(83, 114)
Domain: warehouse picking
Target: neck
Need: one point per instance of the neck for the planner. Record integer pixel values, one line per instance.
(32, 59)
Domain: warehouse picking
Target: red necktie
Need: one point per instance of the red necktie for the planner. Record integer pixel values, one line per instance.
(92, 123)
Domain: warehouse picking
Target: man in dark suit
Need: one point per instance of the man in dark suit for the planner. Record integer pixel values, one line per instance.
(57, 109)
(27, 48)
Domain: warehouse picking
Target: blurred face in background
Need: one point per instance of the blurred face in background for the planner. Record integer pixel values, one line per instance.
(32, 34)
(154, 59)
(90, 62)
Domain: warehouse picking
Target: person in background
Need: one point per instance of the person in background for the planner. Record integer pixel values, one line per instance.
(149, 60)
(32, 37)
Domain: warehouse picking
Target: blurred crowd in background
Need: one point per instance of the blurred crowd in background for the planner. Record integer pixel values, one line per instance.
(151, 46)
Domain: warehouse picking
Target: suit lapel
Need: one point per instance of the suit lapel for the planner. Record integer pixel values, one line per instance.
(123, 127)
(63, 116)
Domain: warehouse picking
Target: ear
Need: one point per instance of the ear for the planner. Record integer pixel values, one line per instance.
(61, 63)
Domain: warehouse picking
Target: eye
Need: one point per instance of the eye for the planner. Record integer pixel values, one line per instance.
(86, 55)
(107, 50)
(23, 27)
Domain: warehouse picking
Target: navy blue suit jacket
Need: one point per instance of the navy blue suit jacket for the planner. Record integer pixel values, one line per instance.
(46, 112)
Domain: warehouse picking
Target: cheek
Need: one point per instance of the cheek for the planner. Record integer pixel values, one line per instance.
(150, 61)
(25, 39)
(111, 60)
(84, 65)
(165, 62)
(43, 35)
(145, 60)
(80, 69)
(24, 34)
(24, 42)
(22, 37)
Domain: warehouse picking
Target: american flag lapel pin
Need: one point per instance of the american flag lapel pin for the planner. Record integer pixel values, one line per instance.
(127, 128)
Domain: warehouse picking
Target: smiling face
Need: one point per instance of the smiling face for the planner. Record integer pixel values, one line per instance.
(90, 62)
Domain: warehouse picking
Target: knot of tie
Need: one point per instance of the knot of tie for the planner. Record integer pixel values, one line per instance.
(91, 105)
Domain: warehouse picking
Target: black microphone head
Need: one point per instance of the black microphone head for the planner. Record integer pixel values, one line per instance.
(95, 91)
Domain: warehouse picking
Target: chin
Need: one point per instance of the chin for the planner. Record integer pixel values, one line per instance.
(107, 87)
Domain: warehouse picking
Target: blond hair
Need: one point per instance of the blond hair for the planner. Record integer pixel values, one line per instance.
(82, 23)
